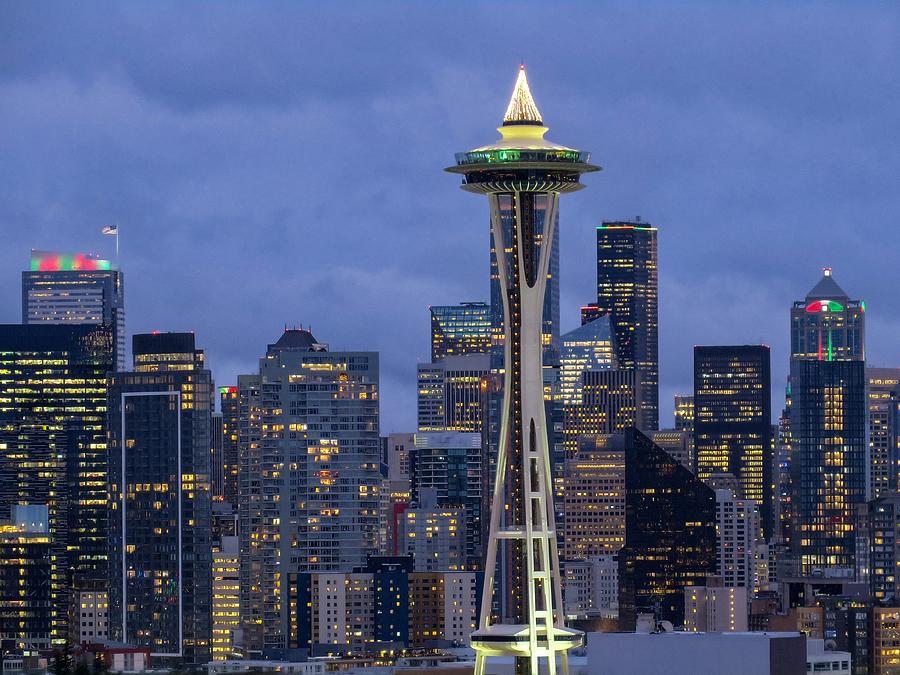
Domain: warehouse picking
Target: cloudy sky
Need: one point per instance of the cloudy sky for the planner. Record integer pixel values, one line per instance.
(281, 163)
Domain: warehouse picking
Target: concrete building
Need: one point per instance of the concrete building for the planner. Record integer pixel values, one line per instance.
(226, 598)
(883, 393)
(313, 497)
(696, 653)
(679, 444)
(715, 608)
(591, 587)
(737, 534)
(452, 393)
(435, 537)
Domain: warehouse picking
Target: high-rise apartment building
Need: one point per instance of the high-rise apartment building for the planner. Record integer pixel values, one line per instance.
(828, 425)
(670, 533)
(217, 457)
(737, 533)
(733, 420)
(315, 504)
(453, 393)
(884, 430)
(256, 533)
(77, 288)
(230, 409)
(878, 546)
(457, 330)
(448, 468)
(160, 502)
(53, 391)
(628, 290)
(226, 598)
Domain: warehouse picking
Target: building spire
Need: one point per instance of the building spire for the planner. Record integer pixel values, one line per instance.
(522, 108)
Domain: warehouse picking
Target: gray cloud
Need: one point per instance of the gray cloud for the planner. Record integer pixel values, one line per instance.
(281, 163)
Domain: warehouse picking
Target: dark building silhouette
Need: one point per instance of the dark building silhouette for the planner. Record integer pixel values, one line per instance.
(161, 512)
(670, 532)
(732, 420)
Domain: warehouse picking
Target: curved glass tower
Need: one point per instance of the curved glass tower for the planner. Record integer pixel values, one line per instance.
(523, 175)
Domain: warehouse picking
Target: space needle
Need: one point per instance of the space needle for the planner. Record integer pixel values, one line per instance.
(523, 174)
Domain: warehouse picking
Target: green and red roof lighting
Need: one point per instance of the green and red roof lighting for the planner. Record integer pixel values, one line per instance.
(824, 306)
(48, 261)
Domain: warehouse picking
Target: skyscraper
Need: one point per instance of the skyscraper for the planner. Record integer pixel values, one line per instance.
(452, 393)
(523, 175)
(684, 413)
(884, 434)
(75, 288)
(733, 420)
(610, 402)
(588, 347)
(230, 408)
(317, 462)
(628, 289)
(161, 510)
(53, 445)
(828, 422)
(670, 535)
(460, 329)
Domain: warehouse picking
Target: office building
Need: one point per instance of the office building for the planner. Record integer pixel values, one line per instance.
(610, 402)
(75, 288)
(679, 444)
(670, 532)
(827, 325)
(715, 607)
(523, 176)
(217, 457)
(89, 615)
(592, 587)
(230, 409)
(587, 348)
(628, 290)
(313, 494)
(226, 598)
(53, 445)
(28, 606)
(684, 413)
(447, 471)
(452, 393)
(733, 420)
(884, 435)
(737, 533)
(457, 330)
(160, 502)
(594, 498)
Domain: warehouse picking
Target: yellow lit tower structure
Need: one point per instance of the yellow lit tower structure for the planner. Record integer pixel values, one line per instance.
(523, 174)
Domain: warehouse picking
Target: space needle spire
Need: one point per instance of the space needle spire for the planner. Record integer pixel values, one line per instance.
(523, 174)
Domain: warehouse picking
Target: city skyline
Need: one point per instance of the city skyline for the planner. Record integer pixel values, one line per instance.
(798, 174)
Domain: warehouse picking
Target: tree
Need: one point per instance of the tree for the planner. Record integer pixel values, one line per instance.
(62, 660)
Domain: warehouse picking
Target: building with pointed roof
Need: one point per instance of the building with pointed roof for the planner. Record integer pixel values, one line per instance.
(827, 325)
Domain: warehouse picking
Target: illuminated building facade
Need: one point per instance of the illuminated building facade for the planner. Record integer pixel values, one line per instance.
(884, 652)
(610, 403)
(715, 607)
(523, 175)
(878, 546)
(670, 533)
(448, 468)
(827, 325)
(217, 457)
(230, 408)
(434, 536)
(226, 598)
(733, 420)
(684, 412)
(737, 533)
(53, 391)
(828, 460)
(77, 288)
(457, 330)
(27, 599)
(827, 421)
(594, 498)
(160, 501)
(588, 347)
(884, 435)
(453, 393)
(315, 506)
(628, 290)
